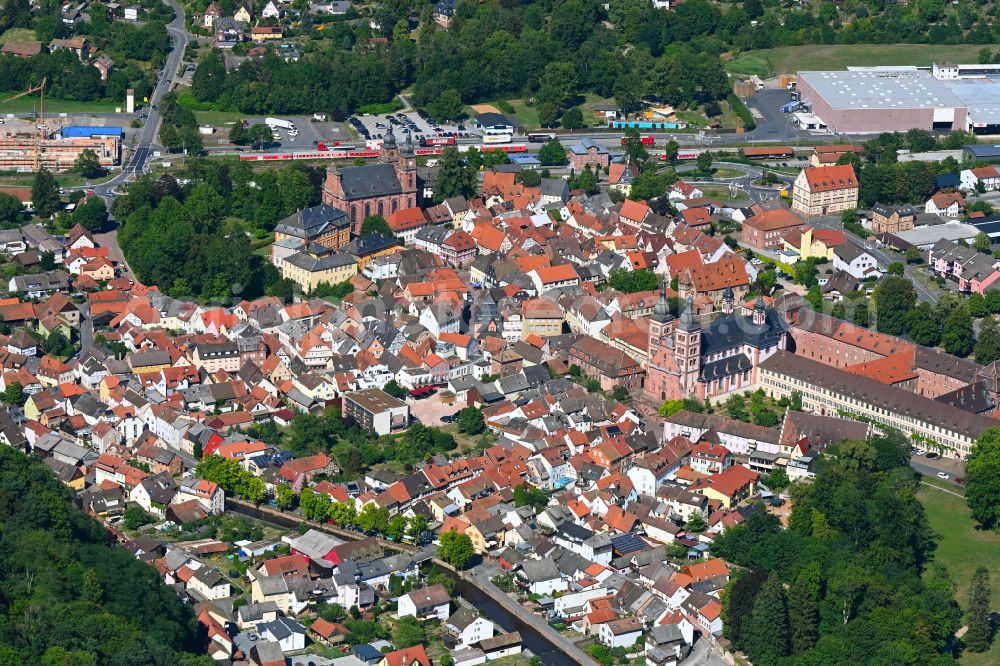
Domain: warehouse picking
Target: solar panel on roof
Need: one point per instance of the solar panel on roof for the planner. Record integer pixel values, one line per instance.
(628, 543)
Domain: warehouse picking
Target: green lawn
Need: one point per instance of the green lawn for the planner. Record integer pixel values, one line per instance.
(962, 548)
(722, 193)
(29, 103)
(217, 118)
(18, 35)
(791, 59)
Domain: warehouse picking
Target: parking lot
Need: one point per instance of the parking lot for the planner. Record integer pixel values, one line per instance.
(310, 133)
(417, 123)
(430, 410)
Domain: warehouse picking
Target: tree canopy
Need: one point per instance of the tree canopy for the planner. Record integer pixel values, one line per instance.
(86, 600)
(851, 579)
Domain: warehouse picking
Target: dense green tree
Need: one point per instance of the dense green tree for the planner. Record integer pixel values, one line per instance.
(981, 242)
(407, 632)
(957, 335)
(455, 178)
(738, 600)
(456, 549)
(552, 154)
(88, 165)
(13, 394)
(134, 518)
(393, 388)
(45, 194)
(980, 633)
(976, 304)
(894, 298)
(470, 421)
(630, 282)
(803, 608)
(285, 499)
(572, 119)
(696, 523)
(987, 347)
(92, 214)
(376, 224)
(982, 479)
(923, 325)
(766, 630)
(446, 106)
(526, 495)
(11, 210)
(208, 82)
(87, 600)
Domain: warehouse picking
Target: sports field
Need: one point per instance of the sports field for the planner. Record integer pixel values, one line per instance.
(790, 59)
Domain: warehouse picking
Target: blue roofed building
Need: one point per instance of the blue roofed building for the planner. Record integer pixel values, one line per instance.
(88, 131)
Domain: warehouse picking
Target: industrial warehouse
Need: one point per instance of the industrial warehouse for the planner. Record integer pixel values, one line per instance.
(869, 100)
(27, 151)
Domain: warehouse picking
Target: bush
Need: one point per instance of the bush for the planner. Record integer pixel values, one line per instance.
(741, 110)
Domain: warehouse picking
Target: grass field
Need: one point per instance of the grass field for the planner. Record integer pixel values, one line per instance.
(790, 59)
(962, 548)
(29, 103)
(18, 35)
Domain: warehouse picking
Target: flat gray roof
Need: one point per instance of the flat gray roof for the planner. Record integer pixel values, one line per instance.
(982, 96)
(948, 231)
(882, 89)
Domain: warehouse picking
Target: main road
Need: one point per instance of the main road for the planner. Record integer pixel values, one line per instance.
(143, 149)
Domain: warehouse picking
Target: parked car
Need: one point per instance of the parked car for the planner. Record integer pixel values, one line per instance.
(960, 480)
(943, 475)
(931, 455)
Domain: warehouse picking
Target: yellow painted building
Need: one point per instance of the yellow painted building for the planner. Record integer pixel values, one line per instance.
(309, 271)
(811, 244)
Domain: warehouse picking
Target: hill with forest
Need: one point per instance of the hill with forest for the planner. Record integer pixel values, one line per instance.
(68, 595)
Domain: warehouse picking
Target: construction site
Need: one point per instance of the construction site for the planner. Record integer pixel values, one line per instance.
(27, 145)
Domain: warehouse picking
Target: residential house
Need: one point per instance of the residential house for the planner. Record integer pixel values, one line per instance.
(892, 219)
(432, 602)
(855, 261)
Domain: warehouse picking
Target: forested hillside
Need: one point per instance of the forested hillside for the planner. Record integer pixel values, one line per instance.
(70, 597)
(552, 51)
(852, 581)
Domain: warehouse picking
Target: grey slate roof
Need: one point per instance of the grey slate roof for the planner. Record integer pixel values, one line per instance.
(370, 180)
(312, 222)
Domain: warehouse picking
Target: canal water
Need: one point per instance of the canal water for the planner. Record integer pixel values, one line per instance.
(531, 639)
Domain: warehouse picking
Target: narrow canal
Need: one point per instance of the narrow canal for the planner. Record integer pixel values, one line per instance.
(532, 640)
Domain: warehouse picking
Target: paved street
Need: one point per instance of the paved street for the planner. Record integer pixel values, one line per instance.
(930, 467)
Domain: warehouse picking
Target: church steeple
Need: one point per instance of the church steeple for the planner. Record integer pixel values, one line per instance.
(390, 152)
(728, 301)
(759, 311)
(661, 312)
(689, 322)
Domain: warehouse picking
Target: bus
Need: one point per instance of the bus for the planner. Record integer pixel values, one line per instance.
(541, 137)
(438, 141)
(497, 138)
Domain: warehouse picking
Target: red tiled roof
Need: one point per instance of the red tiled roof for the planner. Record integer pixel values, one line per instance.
(835, 177)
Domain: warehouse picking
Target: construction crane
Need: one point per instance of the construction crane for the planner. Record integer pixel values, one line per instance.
(40, 119)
